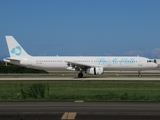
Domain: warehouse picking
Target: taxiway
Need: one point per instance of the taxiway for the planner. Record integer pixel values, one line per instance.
(80, 79)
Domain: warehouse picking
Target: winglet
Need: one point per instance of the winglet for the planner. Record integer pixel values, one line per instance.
(15, 49)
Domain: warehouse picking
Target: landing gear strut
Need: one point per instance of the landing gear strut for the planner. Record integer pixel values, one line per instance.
(80, 75)
(139, 74)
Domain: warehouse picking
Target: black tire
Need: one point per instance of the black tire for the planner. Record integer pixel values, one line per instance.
(139, 75)
(80, 75)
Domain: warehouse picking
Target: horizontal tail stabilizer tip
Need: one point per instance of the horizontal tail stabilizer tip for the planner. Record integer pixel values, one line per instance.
(15, 49)
(11, 59)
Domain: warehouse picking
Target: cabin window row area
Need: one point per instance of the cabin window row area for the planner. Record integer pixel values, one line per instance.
(105, 61)
(39, 61)
(49, 61)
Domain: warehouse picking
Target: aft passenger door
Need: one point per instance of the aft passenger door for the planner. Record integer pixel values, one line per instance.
(30, 63)
(140, 62)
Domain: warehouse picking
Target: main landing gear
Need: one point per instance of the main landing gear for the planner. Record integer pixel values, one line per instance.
(80, 75)
(139, 74)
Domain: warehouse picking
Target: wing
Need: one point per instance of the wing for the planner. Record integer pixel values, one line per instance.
(77, 66)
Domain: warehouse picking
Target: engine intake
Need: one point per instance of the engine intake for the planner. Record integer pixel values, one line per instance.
(94, 71)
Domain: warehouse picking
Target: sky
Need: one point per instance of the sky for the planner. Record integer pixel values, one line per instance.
(82, 27)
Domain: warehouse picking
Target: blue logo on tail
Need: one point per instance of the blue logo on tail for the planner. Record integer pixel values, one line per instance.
(17, 50)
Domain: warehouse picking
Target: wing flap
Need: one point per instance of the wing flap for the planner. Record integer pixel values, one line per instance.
(77, 66)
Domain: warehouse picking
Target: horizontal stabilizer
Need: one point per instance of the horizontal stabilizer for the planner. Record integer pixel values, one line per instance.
(6, 59)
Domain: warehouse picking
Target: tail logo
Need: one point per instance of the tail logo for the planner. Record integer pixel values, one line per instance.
(17, 50)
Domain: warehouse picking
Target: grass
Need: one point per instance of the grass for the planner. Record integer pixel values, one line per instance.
(85, 90)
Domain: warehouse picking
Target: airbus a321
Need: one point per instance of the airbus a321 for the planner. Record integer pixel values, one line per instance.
(95, 65)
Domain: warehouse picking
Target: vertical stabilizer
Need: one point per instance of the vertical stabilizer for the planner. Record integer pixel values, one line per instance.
(15, 49)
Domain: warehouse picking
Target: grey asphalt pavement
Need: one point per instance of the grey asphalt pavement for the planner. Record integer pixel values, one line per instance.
(70, 78)
(83, 110)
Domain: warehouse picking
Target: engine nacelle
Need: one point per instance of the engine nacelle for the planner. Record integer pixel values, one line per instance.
(94, 71)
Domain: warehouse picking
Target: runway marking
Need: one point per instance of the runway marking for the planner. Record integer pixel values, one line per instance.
(69, 116)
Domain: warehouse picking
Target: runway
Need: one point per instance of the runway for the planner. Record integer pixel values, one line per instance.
(81, 110)
(81, 79)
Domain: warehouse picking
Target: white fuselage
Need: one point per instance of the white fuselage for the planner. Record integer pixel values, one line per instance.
(108, 63)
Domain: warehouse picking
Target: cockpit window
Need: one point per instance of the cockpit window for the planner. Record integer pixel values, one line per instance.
(154, 61)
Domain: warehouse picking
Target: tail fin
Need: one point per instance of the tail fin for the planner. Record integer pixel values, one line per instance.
(15, 50)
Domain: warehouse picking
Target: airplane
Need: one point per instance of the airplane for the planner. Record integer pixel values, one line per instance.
(94, 65)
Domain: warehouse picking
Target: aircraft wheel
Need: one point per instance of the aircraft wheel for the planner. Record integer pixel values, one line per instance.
(140, 75)
(80, 75)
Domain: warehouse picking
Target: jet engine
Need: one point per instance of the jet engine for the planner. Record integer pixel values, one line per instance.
(94, 71)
